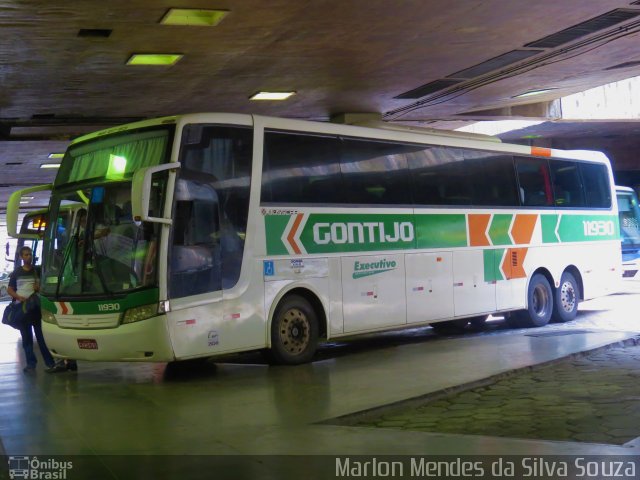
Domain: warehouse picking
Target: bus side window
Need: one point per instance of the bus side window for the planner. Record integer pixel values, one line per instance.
(534, 181)
(195, 260)
(595, 180)
(567, 184)
(217, 160)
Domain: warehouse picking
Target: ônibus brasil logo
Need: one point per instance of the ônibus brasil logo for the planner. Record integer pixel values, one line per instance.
(365, 269)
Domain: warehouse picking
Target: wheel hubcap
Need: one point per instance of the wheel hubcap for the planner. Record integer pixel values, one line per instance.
(294, 331)
(540, 301)
(567, 297)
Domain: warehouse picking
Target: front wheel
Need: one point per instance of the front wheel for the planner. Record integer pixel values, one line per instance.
(539, 304)
(294, 331)
(565, 307)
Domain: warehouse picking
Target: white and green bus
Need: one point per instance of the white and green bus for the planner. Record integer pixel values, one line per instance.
(209, 234)
(629, 213)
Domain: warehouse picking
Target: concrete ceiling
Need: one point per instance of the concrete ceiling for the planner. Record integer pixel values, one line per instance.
(63, 63)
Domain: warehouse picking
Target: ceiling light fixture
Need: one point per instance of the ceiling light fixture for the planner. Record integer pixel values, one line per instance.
(531, 93)
(49, 165)
(56, 155)
(156, 59)
(271, 95)
(193, 17)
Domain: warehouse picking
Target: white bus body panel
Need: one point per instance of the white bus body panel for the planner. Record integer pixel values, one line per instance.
(471, 294)
(374, 297)
(429, 286)
(220, 322)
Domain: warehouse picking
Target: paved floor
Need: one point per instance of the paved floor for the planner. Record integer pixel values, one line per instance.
(588, 398)
(243, 407)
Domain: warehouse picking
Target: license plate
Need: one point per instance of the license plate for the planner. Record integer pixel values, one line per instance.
(87, 344)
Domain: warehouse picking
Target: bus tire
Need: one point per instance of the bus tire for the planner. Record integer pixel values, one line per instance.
(565, 306)
(540, 304)
(294, 331)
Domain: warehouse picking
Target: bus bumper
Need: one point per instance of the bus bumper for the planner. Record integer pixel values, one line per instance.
(145, 341)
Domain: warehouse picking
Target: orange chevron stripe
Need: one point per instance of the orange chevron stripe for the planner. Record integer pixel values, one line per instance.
(292, 233)
(522, 229)
(478, 224)
(512, 265)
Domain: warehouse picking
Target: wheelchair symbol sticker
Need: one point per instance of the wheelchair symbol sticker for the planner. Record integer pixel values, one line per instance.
(269, 268)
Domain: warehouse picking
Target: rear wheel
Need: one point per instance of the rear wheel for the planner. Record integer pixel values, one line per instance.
(294, 331)
(540, 304)
(565, 307)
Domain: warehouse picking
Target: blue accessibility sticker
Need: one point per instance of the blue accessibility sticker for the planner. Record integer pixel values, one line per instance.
(269, 268)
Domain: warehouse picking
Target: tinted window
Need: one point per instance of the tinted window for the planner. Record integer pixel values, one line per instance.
(595, 179)
(534, 182)
(211, 208)
(301, 168)
(567, 184)
(439, 177)
(375, 172)
(493, 178)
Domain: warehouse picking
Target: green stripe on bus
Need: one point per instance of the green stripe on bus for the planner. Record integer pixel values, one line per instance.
(499, 229)
(582, 228)
(337, 232)
(549, 223)
(93, 307)
(333, 233)
(441, 230)
(318, 233)
(492, 261)
(274, 228)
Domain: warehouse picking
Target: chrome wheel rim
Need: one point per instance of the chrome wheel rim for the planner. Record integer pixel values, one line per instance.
(567, 297)
(540, 301)
(294, 331)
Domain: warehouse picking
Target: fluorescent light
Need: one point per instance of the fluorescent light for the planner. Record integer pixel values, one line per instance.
(160, 59)
(56, 155)
(117, 166)
(50, 165)
(271, 95)
(530, 93)
(28, 198)
(193, 17)
(24, 202)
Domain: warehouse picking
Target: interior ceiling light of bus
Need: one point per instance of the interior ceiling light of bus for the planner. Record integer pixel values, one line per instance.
(521, 60)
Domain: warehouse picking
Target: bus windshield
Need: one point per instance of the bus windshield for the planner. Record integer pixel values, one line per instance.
(629, 212)
(98, 249)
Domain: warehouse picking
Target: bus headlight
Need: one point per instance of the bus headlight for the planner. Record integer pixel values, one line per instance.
(140, 313)
(48, 317)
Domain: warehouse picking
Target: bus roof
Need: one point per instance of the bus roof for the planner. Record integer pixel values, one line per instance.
(385, 131)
